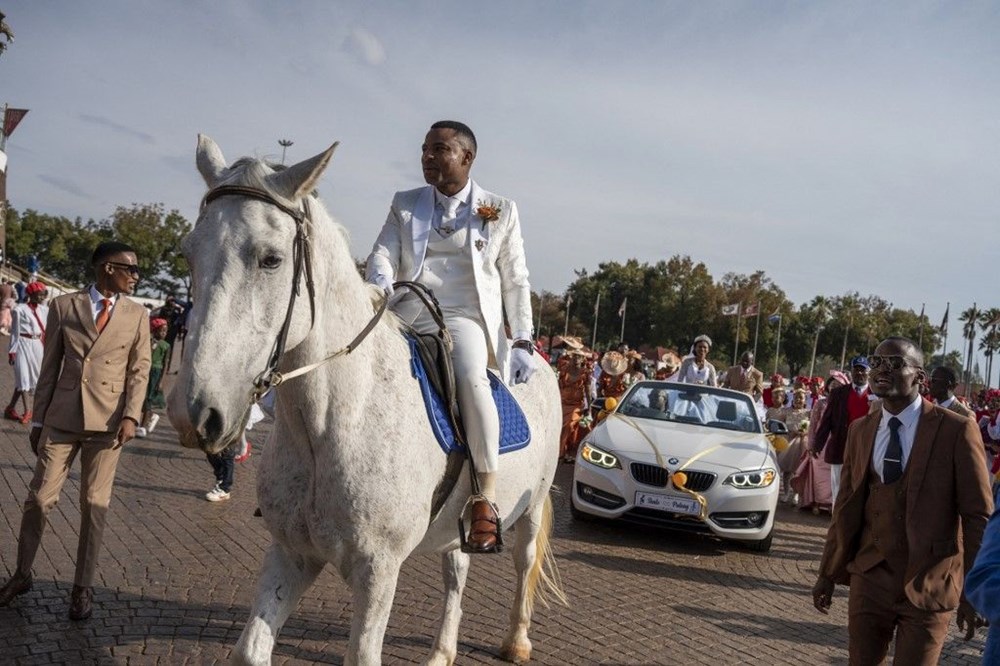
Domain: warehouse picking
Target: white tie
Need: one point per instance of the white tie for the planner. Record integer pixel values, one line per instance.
(449, 214)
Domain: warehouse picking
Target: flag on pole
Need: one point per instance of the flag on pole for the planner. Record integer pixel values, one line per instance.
(751, 310)
(621, 308)
(775, 318)
(944, 322)
(731, 310)
(11, 120)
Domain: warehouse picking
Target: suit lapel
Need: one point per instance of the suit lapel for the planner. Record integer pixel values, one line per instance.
(85, 311)
(868, 427)
(478, 230)
(420, 219)
(120, 320)
(920, 455)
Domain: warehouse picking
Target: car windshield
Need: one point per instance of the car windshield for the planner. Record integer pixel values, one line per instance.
(691, 403)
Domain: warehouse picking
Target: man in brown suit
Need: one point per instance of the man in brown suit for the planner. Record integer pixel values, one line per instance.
(88, 401)
(915, 501)
(743, 377)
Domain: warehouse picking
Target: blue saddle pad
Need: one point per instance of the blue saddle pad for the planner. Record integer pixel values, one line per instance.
(514, 431)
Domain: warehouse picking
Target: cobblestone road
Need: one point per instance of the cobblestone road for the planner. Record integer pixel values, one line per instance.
(177, 576)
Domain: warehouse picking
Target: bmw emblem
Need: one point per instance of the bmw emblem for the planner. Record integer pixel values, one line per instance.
(673, 461)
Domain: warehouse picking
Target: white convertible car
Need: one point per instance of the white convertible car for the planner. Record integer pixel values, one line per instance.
(681, 456)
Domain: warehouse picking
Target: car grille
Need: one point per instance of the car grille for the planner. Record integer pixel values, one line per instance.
(654, 475)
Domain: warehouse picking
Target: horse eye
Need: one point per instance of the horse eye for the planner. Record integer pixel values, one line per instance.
(271, 261)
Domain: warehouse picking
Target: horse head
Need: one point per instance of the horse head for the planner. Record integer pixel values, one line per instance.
(251, 280)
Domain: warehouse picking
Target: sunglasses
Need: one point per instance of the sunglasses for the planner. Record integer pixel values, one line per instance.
(130, 268)
(890, 362)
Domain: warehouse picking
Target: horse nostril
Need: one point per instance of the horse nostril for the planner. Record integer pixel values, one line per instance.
(211, 425)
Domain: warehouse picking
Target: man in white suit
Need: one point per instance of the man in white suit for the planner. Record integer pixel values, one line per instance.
(463, 243)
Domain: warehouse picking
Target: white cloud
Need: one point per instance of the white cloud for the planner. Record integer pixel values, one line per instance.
(366, 46)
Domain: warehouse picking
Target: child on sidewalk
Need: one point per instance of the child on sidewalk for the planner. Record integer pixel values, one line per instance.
(154, 393)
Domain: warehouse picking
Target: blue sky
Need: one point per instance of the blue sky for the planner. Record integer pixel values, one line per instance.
(838, 146)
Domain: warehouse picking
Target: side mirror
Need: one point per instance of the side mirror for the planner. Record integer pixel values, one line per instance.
(776, 427)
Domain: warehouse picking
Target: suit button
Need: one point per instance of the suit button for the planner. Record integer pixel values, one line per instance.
(107, 362)
(104, 383)
(876, 539)
(84, 381)
(86, 360)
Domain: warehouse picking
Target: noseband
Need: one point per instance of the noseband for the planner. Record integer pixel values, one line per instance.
(302, 264)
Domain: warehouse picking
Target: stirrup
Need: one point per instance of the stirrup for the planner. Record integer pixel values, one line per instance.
(463, 535)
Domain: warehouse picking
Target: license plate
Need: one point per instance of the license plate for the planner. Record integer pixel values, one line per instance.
(667, 503)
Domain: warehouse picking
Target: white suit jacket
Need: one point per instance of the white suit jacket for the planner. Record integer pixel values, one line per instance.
(498, 260)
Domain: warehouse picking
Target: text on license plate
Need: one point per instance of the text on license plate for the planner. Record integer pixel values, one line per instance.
(667, 503)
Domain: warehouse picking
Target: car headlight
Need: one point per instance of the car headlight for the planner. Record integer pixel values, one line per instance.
(758, 478)
(595, 456)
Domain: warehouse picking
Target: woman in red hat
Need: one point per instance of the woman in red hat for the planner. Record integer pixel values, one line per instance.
(27, 337)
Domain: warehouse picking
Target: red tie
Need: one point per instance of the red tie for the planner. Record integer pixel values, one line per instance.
(104, 315)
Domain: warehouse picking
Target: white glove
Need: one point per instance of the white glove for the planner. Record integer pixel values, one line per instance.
(383, 282)
(522, 365)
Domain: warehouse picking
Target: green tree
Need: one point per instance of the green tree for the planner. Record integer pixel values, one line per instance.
(156, 236)
(63, 246)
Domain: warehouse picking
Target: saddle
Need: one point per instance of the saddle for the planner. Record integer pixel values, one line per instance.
(434, 352)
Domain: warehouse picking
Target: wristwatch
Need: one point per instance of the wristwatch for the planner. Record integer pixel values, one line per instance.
(525, 345)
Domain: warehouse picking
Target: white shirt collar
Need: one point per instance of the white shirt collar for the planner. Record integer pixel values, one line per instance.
(946, 403)
(96, 297)
(462, 196)
(909, 416)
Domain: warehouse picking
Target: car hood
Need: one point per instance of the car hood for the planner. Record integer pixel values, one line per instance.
(642, 439)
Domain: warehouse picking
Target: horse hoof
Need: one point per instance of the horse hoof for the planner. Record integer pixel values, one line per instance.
(439, 658)
(516, 654)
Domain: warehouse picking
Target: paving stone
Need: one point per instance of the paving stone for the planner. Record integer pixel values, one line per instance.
(178, 575)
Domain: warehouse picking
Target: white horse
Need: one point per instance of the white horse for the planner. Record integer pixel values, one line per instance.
(350, 469)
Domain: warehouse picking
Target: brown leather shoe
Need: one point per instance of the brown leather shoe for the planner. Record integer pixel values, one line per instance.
(483, 529)
(81, 603)
(15, 587)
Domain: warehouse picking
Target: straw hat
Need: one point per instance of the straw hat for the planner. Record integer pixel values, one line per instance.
(614, 363)
(570, 342)
(670, 361)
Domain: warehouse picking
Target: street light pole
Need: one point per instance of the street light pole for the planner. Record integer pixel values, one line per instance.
(284, 143)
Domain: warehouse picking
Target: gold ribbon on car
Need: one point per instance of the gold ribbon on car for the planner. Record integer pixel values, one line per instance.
(678, 478)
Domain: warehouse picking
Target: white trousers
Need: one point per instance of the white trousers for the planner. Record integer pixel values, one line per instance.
(470, 357)
(834, 483)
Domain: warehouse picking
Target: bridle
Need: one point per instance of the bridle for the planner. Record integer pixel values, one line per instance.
(302, 265)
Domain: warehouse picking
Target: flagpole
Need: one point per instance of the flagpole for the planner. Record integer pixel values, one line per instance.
(944, 350)
(920, 337)
(777, 345)
(597, 310)
(736, 342)
(621, 338)
(569, 302)
(538, 329)
(756, 332)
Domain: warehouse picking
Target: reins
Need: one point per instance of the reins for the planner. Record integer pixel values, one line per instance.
(270, 377)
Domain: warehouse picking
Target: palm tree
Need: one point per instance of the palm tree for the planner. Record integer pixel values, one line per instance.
(988, 321)
(969, 319)
(6, 34)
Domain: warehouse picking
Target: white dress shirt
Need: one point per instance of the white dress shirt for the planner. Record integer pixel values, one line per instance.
(451, 212)
(909, 417)
(945, 403)
(97, 302)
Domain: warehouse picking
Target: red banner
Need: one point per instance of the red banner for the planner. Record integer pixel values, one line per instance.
(11, 119)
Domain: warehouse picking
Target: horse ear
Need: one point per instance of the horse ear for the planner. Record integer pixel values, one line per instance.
(300, 179)
(210, 160)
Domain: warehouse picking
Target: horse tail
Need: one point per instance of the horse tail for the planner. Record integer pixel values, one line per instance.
(543, 579)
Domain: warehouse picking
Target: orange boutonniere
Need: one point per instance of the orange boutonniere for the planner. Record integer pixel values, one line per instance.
(487, 212)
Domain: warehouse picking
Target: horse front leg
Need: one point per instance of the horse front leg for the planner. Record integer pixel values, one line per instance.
(283, 578)
(373, 585)
(455, 571)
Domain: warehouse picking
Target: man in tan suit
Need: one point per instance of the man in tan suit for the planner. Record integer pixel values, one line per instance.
(914, 502)
(88, 401)
(744, 377)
